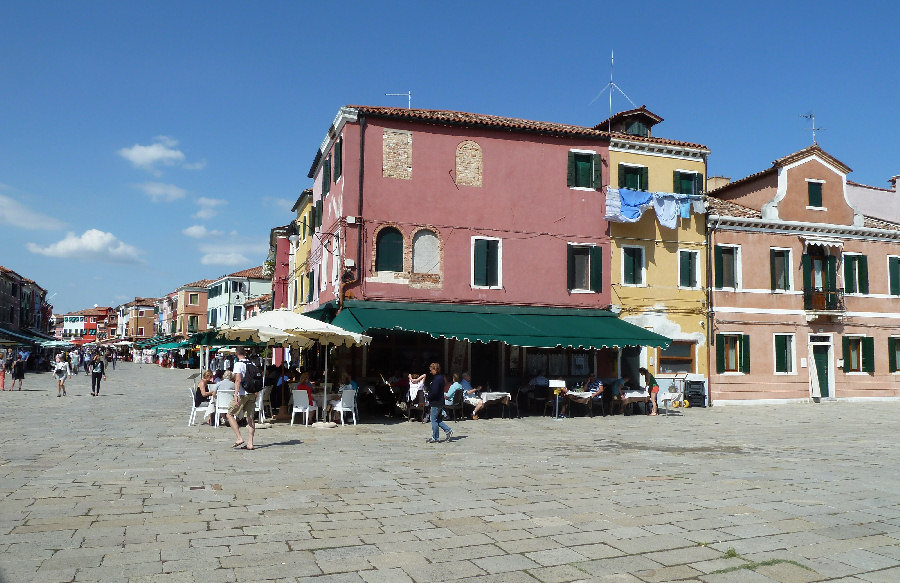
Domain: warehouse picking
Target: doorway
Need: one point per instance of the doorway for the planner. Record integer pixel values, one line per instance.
(820, 354)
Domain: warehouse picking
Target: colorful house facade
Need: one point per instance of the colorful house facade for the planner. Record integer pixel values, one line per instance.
(658, 274)
(805, 297)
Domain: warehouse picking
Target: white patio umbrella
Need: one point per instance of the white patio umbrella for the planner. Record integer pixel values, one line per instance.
(305, 327)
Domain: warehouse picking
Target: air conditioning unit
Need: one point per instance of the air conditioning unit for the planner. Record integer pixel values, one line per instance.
(349, 263)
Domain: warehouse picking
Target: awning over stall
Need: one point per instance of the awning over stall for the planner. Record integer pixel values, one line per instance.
(515, 325)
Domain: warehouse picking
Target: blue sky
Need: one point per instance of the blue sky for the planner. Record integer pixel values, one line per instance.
(147, 145)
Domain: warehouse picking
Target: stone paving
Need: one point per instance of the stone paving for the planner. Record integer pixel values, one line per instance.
(119, 488)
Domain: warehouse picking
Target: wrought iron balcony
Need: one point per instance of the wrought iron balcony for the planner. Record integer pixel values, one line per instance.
(823, 300)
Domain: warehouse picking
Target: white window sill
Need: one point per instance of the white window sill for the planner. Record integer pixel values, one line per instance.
(582, 291)
(634, 284)
(785, 374)
(692, 288)
(486, 287)
(584, 188)
(817, 208)
(733, 374)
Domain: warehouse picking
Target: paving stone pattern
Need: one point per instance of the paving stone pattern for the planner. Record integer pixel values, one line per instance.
(119, 488)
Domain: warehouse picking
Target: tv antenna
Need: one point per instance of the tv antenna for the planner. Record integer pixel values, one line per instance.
(408, 96)
(610, 87)
(812, 117)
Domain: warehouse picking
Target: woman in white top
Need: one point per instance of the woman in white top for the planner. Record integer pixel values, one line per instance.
(416, 384)
(60, 372)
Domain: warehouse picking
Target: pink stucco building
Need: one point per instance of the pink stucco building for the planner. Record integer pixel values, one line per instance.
(805, 294)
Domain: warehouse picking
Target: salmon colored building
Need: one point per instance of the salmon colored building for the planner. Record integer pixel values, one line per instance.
(805, 290)
(460, 228)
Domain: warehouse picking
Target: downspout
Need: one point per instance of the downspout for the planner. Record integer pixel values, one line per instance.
(710, 352)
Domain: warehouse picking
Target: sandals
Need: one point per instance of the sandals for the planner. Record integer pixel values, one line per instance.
(238, 445)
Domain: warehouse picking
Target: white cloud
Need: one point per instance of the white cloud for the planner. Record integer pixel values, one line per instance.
(208, 207)
(201, 232)
(162, 152)
(220, 258)
(93, 245)
(280, 204)
(159, 191)
(233, 253)
(14, 213)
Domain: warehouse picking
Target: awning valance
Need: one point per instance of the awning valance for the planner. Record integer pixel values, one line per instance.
(515, 325)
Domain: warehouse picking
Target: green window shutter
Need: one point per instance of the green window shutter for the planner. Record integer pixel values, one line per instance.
(720, 354)
(596, 268)
(570, 267)
(645, 178)
(698, 183)
(815, 193)
(831, 273)
(598, 172)
(894, 275)
(319, 213)
(774, 277)
(623, 176)
(892, 354)
(684, 269)
(338, 158)
(868, 354)
(845, 349)
(806, 263)
(781, 353)
(862, 272)
(570, 175)
(850, 273)
(745, 354)
(719, 265)
(480, 260)
(676, 182)
(493, 262)
(628, 264)
(326, 177)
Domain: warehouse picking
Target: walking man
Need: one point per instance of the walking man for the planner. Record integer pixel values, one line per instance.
(436, 401)
(243, 402)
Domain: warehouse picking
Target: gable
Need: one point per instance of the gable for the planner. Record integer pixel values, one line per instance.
(797, 180)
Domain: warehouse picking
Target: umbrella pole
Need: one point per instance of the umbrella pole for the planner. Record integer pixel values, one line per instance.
(325, 400)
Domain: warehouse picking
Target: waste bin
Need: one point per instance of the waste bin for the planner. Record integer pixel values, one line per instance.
(695, 393)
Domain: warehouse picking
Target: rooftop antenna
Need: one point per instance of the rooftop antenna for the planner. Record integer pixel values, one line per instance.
(610, 87)
(812, 116)
(408, 96)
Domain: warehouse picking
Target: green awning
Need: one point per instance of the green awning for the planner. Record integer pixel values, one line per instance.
(212, 338)
(173, 345)
(537, 327)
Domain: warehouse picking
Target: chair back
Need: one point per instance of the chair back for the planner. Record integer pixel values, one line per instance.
(348, 398)
(301, 399)
(224, 399)
(458, 398)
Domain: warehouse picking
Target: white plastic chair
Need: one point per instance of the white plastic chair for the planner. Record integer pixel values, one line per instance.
(201, 408)
(347, 405)
(223, 402)
(301, 405)
(263, 400)
(672, 394)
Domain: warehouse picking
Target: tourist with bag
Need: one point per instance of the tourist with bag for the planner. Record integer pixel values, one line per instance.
(247, 382)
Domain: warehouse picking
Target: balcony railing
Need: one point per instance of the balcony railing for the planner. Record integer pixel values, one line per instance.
(823, 300)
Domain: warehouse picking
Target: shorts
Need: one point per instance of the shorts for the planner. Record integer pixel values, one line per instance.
(654, 389)
(245, 403)
(59, 375)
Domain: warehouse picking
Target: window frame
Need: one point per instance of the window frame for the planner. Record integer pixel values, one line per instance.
(809, 194)
(790, 356)
(696, 182)
(695, 271)
(595, 174)
(643, 173)
(379, 243)
(237, 313)
(498, 259)
(719, 260)
(893, 271)
(191, 296)
(418, 235)
(742, 353)
(594, 271)
(643, 266)
(664, 360)
(865, 352)
(788, 269)
(894, 354)
(855, 273)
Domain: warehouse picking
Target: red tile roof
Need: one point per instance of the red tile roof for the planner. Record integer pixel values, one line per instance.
(726, 208)
(253, 273)
(642, 110)
(459, 118)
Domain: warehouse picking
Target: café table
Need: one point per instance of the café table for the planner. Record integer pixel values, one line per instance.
(492, 397)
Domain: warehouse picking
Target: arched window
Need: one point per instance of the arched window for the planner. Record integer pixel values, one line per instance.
(426, 252)
(389, 250)
(468, 164)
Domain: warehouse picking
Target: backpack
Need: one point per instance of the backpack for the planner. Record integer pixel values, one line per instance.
(251, 380)
(98, 367)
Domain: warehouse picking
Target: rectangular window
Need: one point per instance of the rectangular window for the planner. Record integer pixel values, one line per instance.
(326, 177)
(585, 170)
(633, 177)
(193, 324)
(633, 265)
(727, 266)
(859, 354)
(211, 316)
(814, 190)
(856, 274)
(894, 276)
(687, 182)
(303, 229)
(687, 269)
(486, 258)
(236, 315)
(584, 267)
(784, 353)
(677, 358)
(732, 353)
(140, 331)
(194, 299)
(894, 354)
(338, 158)
(780, 266)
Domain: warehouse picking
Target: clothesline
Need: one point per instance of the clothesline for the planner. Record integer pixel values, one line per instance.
(624, 205)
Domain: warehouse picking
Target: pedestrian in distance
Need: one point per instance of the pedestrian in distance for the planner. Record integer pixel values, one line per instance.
(18, 372)
(244, 402)
(2, 372)
(436, 401)
(97, 372)
(60, 373)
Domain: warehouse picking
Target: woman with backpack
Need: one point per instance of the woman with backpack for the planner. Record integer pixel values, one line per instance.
(98, 371)
(60, 373)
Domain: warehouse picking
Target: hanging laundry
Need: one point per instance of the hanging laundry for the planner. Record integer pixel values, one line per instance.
(626, 206)
(699, 205)
(685, 206)
(666, 209)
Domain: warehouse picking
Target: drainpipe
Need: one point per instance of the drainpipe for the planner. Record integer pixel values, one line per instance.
(710, 353)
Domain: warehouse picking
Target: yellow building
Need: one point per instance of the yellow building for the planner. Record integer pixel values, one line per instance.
(301, 282)
(658, 262)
